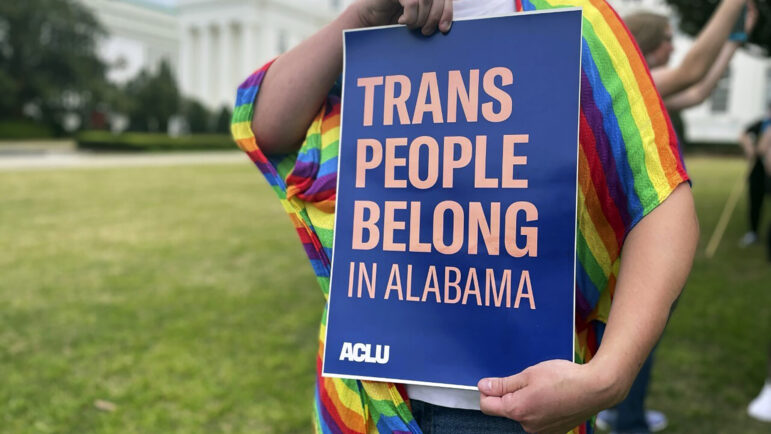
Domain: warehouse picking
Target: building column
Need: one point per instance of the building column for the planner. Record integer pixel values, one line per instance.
(249, 54)
(226, 89)
(185, 68)
(269, 41)
(205, 66)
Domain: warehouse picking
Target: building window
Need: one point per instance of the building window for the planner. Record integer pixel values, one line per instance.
(719, 98)
(283, 41)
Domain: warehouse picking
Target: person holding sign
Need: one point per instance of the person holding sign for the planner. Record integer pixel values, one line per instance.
(636, 220)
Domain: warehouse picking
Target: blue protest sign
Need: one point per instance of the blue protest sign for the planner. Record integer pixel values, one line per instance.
(454, 247)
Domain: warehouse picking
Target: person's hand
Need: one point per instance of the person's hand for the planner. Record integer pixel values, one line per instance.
(553, 396)
(427, 15)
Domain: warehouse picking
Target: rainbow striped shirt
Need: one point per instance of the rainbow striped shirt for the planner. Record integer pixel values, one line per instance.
(629, 162)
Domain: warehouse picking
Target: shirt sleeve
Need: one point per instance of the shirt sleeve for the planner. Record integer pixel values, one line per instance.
(304, 180)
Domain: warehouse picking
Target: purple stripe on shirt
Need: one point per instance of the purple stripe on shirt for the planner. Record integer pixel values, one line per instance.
(582, 306)
(311, 251)
(265, 167)
(305, 169)
(253, 80)
(602, 145)
(325, 183)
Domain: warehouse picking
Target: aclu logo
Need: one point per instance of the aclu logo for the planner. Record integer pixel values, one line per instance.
(363, 353)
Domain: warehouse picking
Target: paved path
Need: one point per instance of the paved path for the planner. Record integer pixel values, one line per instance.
(76, 160)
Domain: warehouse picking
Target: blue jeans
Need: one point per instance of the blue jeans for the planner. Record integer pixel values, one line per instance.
(434, 419)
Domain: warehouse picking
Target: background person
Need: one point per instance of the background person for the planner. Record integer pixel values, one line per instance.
(760, 407)
(764, 153)
(757, 179)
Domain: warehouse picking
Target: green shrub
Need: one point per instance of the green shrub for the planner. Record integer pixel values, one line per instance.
(24, 129)
(713, 148)
(144, 142)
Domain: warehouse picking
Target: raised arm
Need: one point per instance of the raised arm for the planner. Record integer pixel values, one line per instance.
(557, 395)
(296, 84)
(699, 92)
(702, 53)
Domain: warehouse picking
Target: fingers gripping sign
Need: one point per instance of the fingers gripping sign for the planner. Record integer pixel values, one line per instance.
(426, 15)
(435, 17)
(501, 397)
(424, 7)
(409, 15)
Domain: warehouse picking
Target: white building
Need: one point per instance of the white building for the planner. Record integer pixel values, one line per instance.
(221, 41)
(213, 44)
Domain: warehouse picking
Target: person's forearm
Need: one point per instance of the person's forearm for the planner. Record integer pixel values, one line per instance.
(655, 262)
(699, 92)
(746, 144)
(296, 84)
(556, 395)
(765, 142)
(764, 149)
(702, 53)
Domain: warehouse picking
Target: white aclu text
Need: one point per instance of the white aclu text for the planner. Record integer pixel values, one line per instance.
(363, 353)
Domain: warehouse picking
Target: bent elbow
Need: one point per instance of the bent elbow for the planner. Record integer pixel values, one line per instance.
(701, 93)
(693, 98)
(262, 135)
(694, 74)
(688, 78)
(269, 138)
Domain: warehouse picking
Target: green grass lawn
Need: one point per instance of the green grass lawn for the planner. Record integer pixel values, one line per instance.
(160, 290)
(712, 359)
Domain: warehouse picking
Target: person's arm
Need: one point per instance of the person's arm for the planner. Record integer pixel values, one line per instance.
(699, 92)
(702, 53)
(764, 149)
(557, 395)
(298, 81)
(746, 142)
